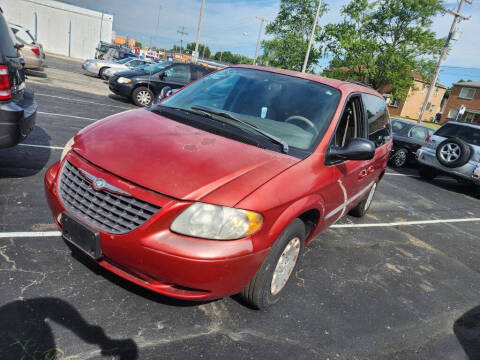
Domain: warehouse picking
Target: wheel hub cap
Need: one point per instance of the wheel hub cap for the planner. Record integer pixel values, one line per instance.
(144, 97)
(450, 152)
(400, 158)
(285, 265)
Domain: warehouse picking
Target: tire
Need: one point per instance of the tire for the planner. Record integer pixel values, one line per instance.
(399, 159)
(453, 152)
(100, 72)
(142, 96)
(263, 291)
(362, 207)
(427, 173)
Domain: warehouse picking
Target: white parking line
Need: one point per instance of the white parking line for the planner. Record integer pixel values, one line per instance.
(31, 234)
(82, 101)
(406, 223)
(24, 234)
(43, 146)
(69, 116)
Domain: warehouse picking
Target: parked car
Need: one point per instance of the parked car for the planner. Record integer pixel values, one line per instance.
(112, 52)
(97, 67)
(453, 150)
(107, 74)
(142, 87)
(408, 137)
(32, 51)
(217, 189)
(17, 105)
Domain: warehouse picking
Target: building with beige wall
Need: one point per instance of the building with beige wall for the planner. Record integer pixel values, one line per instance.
(411, 106)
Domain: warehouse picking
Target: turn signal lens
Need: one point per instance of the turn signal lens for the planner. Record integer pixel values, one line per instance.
(5, 89)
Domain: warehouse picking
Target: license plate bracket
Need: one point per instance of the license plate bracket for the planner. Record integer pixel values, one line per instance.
(81, 236)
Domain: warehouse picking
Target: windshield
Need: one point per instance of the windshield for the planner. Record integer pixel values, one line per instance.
(295, 110)
(468, 134)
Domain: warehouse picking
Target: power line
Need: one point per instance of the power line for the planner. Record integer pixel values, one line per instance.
(457, 16)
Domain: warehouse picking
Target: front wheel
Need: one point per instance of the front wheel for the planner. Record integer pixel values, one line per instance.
(142, 96)
(281, 262)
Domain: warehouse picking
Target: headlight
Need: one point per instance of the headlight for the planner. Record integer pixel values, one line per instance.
(123, 80)
(67, 148)
(216, 222)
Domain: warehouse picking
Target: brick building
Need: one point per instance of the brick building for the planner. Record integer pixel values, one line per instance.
(416, 96)
(463, 93)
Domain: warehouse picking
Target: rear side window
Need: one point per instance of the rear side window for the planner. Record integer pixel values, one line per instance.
(7, 39)
(468, 134)
(379, 128)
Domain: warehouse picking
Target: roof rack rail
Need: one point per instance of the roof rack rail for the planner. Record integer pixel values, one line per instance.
(360, 83)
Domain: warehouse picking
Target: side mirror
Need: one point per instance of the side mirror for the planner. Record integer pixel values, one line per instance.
(162, 75)
(357, 149)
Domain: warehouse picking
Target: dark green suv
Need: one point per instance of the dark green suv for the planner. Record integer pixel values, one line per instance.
(17, 106)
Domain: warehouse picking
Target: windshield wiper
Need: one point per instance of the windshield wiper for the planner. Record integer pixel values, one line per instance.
(245, 123)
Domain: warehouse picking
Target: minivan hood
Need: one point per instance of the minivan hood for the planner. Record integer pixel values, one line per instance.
(176, 159)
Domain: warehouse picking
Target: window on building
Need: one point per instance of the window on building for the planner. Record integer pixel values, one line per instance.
(431, 108)
(467, 93)
(452, 114)
(437, 90)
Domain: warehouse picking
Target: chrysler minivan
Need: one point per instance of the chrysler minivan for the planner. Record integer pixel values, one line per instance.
(217, 189)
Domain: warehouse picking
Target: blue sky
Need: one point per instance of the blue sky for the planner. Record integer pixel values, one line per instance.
(231, 25)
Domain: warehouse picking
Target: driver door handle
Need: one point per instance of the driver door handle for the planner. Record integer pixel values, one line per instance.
(362, 174)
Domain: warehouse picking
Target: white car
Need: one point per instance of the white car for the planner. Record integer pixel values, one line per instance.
(98, 67)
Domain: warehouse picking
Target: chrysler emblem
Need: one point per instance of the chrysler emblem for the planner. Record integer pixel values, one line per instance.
(100, 184)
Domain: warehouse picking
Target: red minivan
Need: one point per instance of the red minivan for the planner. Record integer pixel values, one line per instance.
(217, 189)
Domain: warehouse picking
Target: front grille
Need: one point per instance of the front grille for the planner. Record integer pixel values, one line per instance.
(107, 211)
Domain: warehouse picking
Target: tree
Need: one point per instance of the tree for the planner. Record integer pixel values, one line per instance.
(138, 44)
(228, 57)
(382, 43)
(291, 31)
(202, 50)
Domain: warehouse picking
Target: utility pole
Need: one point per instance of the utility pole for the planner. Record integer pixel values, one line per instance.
(204, 47)
(181, 38)
(197, 41)
(457, 16)
(312, 35)
(262, 20)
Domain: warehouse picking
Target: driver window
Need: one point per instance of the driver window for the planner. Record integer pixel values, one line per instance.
(348, 128)
(179, 73)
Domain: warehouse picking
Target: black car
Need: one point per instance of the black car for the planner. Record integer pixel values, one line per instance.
(17, 106)
(408, 137)
(143, 85)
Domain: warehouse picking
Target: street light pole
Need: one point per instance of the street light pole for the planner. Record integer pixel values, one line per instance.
(197, 41)
(457, 15)
(181, 38)
(312, 35)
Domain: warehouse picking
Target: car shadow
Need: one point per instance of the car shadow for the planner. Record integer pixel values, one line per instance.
(24, 160)
(120, 99)
(467, 330)
(129, 286)
(26, 333)
(442, 181)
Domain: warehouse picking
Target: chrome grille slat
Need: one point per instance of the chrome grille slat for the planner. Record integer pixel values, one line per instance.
(107, 211)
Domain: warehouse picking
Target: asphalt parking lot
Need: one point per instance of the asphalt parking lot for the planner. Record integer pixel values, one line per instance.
(401, 283)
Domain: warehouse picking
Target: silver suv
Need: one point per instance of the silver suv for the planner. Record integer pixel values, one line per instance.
(453, 150)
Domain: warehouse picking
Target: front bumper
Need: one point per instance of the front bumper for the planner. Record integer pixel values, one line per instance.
(91, 68)
(469, 171)
(124, 90)
(155, 258)
(17, 119)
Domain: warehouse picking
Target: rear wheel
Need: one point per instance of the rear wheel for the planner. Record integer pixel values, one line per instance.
(142, 96)
(399, 159)
(281, 262)
(453, 152)
(362, 208)
(427, 173)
